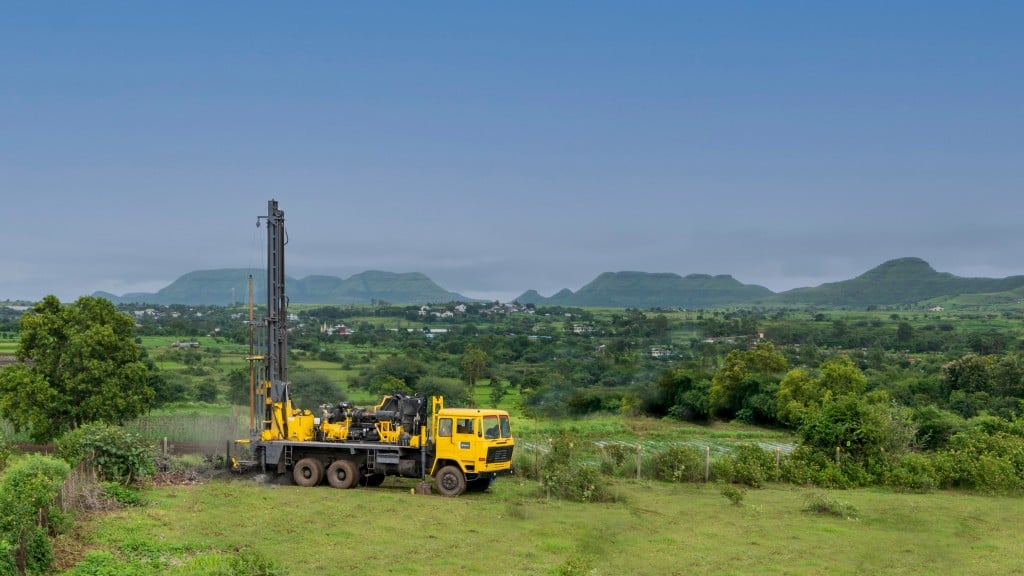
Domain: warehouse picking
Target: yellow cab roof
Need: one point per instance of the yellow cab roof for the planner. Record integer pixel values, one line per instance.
(467, 412)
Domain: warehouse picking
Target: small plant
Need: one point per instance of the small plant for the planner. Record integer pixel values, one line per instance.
(822, 503)
(123, 495)
(516, 510)
(733, 494)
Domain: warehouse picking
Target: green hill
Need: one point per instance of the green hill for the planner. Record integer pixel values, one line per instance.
(654, 290)
(224, 286)
(896, 282)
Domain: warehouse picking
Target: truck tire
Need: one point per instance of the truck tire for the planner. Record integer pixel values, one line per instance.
(342, 474)
(372, 480)
(450, 481)
(308, 472)
(480, 484)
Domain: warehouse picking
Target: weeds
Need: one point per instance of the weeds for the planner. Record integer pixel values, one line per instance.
(821, 503)
(733, 494)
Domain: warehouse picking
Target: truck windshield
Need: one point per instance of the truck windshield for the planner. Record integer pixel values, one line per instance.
(490, 427)
(506, 430)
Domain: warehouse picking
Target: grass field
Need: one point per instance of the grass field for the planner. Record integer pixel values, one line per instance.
(656, 528)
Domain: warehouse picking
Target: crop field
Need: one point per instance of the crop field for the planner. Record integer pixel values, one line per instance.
(653, 528)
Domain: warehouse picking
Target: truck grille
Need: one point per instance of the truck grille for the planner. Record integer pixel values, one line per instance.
(499, 454)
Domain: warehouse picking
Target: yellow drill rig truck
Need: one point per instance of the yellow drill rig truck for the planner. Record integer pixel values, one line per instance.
(403, 435)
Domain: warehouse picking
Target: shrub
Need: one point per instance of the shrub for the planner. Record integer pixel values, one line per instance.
(103, 563)
(7, 565)
(252, 563)
(5, 453)
(802, 466)
(117, 455)
(564, 478)
(733, 494)
(822, 503)
(988, 456)
(618, 459)
(859, 428)
(752, 465)
(124, 495)
(678, 464)
(27, 493)
(912, 473)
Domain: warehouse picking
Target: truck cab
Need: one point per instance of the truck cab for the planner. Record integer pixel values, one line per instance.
(471, 446)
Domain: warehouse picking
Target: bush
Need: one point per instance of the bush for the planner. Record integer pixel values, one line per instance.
(752, 465)
(859, 428)
(912, 473)
(618, 459)
(124, 495)
(117, 455)
(802, 466)
(733, 494)
(103, 563)
(7, 565)
(27, 493)
(577, 483)
(5, 453)
(988, 456)
(822, 503)
(564, 478)
(678, 464)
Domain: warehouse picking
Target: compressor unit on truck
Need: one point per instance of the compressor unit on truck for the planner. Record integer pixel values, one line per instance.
(403, 435)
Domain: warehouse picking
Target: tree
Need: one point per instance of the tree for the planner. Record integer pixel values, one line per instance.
(474, 366)
(77, 364)
(800, 392)
(796, 392)
(742, 376)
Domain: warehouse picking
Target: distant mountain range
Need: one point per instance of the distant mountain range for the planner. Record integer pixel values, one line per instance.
(231, 285)
(896, 282)
(646, 290)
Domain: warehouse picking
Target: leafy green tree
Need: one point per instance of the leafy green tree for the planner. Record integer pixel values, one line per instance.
(238, 386)
(797, 391)
(387, 384)
(742, 375)
(800, 391)
(968, 373)
(309, 389)
(78, 363)
(840, 376)
(474, 366)
(205, 391)
(904, 332)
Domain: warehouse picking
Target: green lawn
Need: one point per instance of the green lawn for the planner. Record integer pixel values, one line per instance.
(657, 529)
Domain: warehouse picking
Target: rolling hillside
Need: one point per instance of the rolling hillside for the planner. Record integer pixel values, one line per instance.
(652, 290)
(896, 282)
(224, 286)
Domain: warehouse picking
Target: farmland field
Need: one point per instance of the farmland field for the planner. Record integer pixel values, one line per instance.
(655, 528)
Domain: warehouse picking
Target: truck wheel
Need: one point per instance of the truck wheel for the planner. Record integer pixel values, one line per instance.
(480, 484)
(450, 481)
(308, 472)
(342, 474)
(372, 480)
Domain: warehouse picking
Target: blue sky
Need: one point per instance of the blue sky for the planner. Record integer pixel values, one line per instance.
(499, 147)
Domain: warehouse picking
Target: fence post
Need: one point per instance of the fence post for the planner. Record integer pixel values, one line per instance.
(707, 463)
(165, 445)
(639, 449)
(837, 456)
